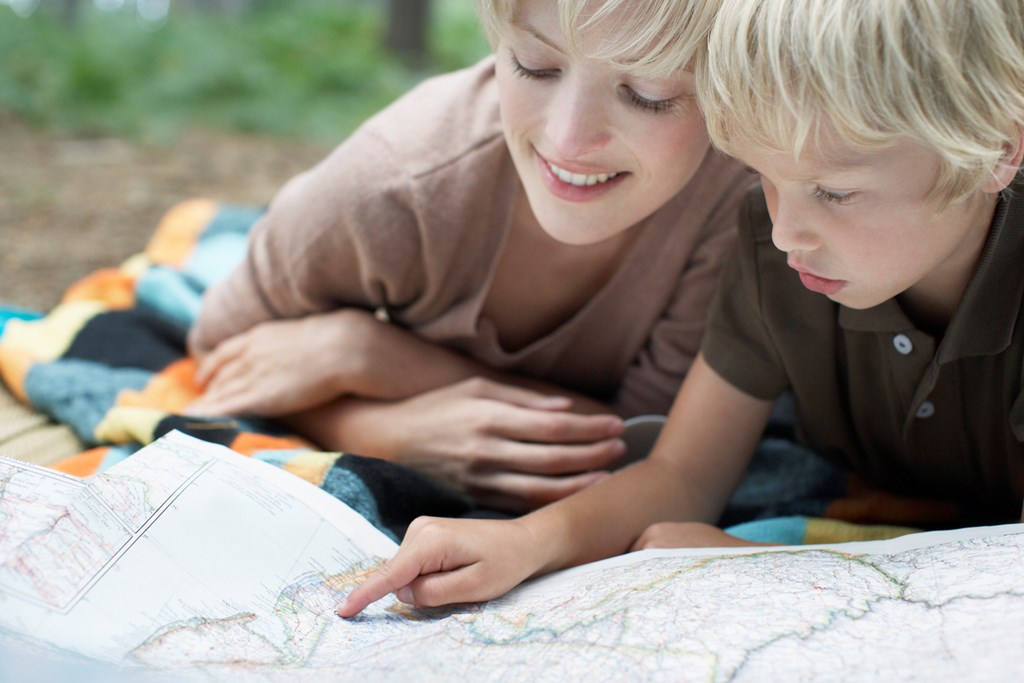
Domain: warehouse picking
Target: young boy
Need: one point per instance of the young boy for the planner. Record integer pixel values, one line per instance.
(888, 136)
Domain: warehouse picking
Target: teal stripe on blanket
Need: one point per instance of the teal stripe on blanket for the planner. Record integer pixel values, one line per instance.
(9, 313)
(167, 293)
(79, 393)
(781, 530)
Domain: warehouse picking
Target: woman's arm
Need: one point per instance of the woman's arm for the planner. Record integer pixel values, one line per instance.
(284, 367)
(504, 446)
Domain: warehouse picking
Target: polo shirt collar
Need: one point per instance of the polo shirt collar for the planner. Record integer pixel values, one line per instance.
(984, 321)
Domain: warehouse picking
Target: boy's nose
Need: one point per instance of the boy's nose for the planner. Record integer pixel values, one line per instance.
(789, 234)
(791, 231)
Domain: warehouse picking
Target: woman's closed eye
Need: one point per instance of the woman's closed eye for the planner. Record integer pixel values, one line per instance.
(524, 72)
(647, 104)
(833, 197)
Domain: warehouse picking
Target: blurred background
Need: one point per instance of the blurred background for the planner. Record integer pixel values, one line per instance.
(111, 111)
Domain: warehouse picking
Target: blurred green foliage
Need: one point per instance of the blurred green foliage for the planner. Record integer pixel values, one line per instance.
(310, 69)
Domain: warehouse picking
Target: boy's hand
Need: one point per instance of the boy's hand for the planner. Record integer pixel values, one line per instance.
(446, 561)
(687, 535)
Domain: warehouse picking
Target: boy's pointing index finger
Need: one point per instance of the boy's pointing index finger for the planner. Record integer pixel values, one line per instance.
(391, 577)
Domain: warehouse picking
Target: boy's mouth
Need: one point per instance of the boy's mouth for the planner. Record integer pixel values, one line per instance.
(821, 285)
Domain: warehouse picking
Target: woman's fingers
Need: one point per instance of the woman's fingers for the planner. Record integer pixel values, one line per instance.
(548, 459)
(522, 493)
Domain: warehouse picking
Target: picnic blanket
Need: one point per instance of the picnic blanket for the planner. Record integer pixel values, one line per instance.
(110, 363)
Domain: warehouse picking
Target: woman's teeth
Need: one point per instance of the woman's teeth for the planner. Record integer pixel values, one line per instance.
(579, 179)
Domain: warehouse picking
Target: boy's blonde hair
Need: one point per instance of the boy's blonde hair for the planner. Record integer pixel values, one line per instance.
(648, 38)
(948, 74)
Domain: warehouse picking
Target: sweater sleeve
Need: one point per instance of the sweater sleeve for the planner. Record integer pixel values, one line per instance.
(344, 233)
(650, 384)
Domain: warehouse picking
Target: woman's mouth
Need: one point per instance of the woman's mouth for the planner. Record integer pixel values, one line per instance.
(576, 187)
(579, 179)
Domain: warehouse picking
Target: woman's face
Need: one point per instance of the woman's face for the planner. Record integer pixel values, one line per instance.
(597, 150)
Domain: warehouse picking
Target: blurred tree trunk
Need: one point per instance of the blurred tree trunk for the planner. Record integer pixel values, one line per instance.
(69, 12)
(226, 7)
(407, 29)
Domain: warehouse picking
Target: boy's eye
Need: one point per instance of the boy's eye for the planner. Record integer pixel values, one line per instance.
(647, 104)
(830, 197)
(522, 71)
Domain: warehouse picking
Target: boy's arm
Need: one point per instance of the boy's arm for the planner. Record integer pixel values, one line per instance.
(696, 463)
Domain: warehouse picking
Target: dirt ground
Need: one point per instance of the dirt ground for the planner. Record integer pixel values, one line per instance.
(71, 205)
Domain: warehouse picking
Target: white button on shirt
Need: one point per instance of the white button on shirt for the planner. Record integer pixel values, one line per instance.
(902, 344)
(925, 410)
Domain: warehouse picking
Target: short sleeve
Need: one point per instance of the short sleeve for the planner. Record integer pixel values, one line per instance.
(344, 233)
(737, 343)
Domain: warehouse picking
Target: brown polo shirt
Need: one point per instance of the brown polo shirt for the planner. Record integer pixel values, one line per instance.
(909, 412)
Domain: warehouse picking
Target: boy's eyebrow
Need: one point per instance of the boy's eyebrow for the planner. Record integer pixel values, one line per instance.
(840, 167)
(536, 34)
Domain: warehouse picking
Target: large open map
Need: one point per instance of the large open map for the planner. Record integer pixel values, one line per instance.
(188, 558)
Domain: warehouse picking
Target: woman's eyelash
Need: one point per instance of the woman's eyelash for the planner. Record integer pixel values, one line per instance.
(522, 71)
(656, 106)
(634, 99)
(830, 197)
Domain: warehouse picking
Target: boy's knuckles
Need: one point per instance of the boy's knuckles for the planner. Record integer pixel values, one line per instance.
(417, 527)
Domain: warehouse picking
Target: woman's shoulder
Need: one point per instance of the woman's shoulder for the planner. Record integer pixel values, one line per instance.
(444, 133)
(442, 119)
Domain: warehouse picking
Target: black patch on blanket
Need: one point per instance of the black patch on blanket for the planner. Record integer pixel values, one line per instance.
(129, 339)
(403, 494)
(221, 431)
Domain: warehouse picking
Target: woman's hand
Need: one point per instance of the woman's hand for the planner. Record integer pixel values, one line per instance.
(286, 366)
(446, 561)
(507, 447)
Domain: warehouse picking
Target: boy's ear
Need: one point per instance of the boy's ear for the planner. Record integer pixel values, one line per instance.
(1007, 168)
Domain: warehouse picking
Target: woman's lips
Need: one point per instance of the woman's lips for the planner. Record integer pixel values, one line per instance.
(572, 191)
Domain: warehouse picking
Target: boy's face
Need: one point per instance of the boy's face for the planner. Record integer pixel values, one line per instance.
(596, 149)
(861, 227)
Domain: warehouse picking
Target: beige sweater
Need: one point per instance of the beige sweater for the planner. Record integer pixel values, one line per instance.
(410, 214)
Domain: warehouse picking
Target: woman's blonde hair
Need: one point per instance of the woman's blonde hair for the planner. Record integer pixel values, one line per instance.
(948, 74)
(648, 38)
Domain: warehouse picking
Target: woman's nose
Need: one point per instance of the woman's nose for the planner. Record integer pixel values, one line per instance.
(575, 125)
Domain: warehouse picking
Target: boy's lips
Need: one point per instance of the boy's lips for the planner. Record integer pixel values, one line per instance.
(816, 283)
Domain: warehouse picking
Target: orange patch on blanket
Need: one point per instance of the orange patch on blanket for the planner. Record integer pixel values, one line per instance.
(248, 443)
(865, 504)
(171, 389)
(176, 235)
(83, 464)
(112, 286)
(14, 366)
